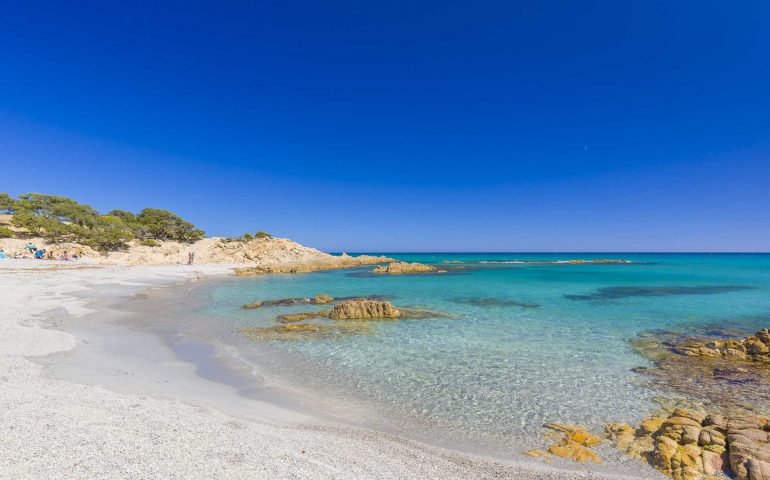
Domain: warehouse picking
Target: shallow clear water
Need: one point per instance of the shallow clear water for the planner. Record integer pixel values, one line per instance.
(530, 343)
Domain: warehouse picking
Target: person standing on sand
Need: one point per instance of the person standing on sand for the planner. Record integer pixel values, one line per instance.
(190, 258)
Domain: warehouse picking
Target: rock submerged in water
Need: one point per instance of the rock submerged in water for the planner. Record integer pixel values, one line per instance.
(363, 308)
(305, 331)
(353, 315)
(400, 268)
(320, 299)
(301, 317)
(572, 442)
(403, 313)
(495, 302)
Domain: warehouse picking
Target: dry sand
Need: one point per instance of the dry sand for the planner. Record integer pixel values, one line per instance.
(55, 429)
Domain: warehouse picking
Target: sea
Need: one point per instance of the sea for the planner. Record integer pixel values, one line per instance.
(522, 339)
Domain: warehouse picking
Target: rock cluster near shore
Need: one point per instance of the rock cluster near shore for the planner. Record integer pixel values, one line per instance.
(689, 445)
(755, 347)
(356, 312)
(320, 299)
(401, 268)
(312, 263)
(570, 441)
(730, 440)
(733, 374)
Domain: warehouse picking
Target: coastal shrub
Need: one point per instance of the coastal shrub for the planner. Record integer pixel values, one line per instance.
(7, 203)
(6, 232)
(163, 225)
(53, 207)
(51, 229)
(149, 242)
(107, 233)
(261, 234)
(59, 219)
(128, 218)
(248, 236)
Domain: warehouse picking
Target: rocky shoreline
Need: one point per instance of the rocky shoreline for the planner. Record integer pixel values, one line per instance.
(253, 257)
(733, 373)
(688, 445)
(314, 264)
(727, 437)
(730, 436)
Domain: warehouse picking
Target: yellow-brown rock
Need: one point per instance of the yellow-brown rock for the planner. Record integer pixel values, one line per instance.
(740, 444)
(748, 448)
(574, 451)
(536, 453)
(400, 268)
(714, 462)
(571, 441)
(755, 347)
(584, 438)
(620, 434)
(651, 425)
(711, 436)
(322, 299)
(364, 309)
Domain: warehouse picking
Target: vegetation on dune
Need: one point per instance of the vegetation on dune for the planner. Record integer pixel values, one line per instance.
(247, 237)
(149, 242)
(163, 225)
(59, 219)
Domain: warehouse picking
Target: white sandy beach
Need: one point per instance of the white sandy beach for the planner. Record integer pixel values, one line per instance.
(57, 429)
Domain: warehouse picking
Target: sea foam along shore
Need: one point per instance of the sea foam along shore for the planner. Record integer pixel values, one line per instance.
(58, 429)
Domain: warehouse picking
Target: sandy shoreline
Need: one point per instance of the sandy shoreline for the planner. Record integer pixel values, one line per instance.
(178, 428)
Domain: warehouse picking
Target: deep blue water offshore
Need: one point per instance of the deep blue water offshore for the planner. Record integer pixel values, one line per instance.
(529, 344)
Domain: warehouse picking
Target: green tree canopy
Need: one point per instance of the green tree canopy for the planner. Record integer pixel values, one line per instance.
(59, 219)
(7, 203)
(164, 225)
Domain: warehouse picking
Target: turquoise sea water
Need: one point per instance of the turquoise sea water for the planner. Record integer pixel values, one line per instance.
(529, 343)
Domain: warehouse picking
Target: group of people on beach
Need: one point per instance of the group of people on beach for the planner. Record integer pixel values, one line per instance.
(31, 251)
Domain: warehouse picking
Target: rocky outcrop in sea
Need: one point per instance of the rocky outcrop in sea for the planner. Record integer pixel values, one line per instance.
(356, 313)
(401, 268)
(363, 309)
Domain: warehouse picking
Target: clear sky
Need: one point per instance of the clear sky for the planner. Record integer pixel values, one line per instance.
(402, 125)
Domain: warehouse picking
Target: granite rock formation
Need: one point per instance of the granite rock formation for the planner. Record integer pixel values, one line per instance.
(401, 268)
(363, 309)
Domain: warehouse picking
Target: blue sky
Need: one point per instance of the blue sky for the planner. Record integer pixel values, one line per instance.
(402, 126)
